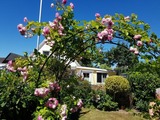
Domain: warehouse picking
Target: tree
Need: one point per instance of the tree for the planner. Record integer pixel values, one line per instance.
(121, 57)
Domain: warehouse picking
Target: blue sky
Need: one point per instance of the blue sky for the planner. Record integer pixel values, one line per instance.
(13, 12)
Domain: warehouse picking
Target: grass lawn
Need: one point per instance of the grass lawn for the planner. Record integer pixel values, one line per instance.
(94, 114)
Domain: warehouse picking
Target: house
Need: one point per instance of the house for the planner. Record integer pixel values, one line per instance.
(93, 75)
(10, 56)
(2, 65)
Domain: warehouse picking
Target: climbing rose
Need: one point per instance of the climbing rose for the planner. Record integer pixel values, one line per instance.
(20, 26)
(41, 92)
(136, 52)
(25, 19)
(106, 20)
(137, 37)
(64, 2)
(40, 118)
(57, 15)
(64, 112)
(131, 49)
(10, 66)
(97, 15)
(52, 103)
(139, 43)
(21, 29)
(46, 31)
(80, 104)
(72, 5)
(54, 86)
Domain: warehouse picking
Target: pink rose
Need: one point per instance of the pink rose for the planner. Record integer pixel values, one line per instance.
(25, 19)
(97, 15)
(52, 103)
(20, 26)
(139, 43)
(40, 118)
(41, 92)
(46, 30)
(64, 2)
(137, 37)
(72, 5)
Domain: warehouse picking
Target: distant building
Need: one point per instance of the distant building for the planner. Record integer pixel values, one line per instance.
(93, 75)
(10, 56)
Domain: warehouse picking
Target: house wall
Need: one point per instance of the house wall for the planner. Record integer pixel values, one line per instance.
(78, 68)
(44, 48)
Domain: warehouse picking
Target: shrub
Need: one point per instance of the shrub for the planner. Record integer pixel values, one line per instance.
(17, 99)
(117, 84)
(143, 86)
(118, 87)
(103, 101)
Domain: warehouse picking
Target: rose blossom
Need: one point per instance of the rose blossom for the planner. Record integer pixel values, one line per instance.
(52, 103)
(97, 15)
(139, 43)
(72, 5)
(20, 26)
(64, 2)
(64, 112)
(21, 29)
(10, 66)
(54, 86)
(41, 92)
(131, 49)
(80, 103)
(40, 118)
(136, 52)
(25, 19)
(46, 30)
(137, 37)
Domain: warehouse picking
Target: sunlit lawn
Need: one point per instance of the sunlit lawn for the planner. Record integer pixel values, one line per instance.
(94, 114)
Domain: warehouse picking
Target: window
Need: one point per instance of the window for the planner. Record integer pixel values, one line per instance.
(101, 77)
(86, 76)
(46, 53)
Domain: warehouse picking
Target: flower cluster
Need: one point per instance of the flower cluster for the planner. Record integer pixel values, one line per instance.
(52, 103)
(134, 50)
(41, 92)
(64, 112)
(107, 33)
(55, 25)
(23, 71)
(40, 117)
(79, 106)
(54, 86)
(21, 29)
(139, 44)
(137, 37)
(10, 66)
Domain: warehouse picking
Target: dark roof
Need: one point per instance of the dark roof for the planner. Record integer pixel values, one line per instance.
(11, 56)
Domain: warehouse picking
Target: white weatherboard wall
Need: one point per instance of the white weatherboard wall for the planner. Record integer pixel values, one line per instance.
(43, 47)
